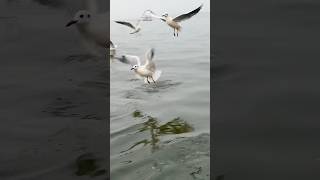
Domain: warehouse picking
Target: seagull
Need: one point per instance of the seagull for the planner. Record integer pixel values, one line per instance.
(92, 26)
(174, 22)
(136, 28)
(112, 49)
(147, 71)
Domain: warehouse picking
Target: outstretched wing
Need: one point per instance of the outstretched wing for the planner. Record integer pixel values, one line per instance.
(188, 15)
(138, 23)
(129, 59)
(149, 13)
(126, 24)
(149, 57)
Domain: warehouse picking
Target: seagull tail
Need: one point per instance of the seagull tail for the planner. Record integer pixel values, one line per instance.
(156, 75)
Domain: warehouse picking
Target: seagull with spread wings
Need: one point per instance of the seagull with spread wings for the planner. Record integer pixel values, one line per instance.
(174, 22)
(136, 28)
(148, 70)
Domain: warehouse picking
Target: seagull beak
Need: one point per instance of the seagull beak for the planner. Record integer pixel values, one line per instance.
(132, 68)
(71, 22)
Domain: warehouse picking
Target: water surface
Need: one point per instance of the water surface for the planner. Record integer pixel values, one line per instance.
(162, 131)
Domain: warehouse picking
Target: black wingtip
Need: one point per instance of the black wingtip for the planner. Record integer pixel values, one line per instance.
(151, 53)
(200, 7)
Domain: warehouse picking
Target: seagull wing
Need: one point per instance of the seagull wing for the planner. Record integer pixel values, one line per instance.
(129, 59)
(149, 63)
(126, 24)
(188, 15)
(154, 15)
(138, 22)
(111, 44)
(149, 55)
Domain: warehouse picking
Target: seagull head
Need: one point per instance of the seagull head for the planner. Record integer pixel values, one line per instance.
(165, 15)
(81, 17)
(135, 67)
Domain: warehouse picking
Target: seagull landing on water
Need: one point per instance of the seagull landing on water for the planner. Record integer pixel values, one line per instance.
(174, 22)
(136, 28)
(147, 71)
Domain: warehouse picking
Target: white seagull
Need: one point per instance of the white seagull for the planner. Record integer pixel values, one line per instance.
(92, 26)
(136, 28)
(174, 22)
(112, 49)
(147, 71)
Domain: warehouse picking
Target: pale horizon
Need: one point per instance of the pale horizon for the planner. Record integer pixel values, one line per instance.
(126, 9)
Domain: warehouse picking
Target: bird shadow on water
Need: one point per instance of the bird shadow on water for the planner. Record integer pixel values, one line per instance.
(156, 130)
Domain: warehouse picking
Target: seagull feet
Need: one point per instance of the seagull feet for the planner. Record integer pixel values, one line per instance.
(148, 80)
(153, 79)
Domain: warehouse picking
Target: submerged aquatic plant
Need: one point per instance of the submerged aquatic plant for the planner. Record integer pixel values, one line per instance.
(87, 165)
(137, 114)
(174, 126)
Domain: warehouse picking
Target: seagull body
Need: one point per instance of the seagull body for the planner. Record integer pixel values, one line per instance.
(174, 22)
(175, 25)
(112, 49)
(92, 26)
(136, 28)
(147, 71)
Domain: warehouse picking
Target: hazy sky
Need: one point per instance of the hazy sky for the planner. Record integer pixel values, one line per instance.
(131, 9)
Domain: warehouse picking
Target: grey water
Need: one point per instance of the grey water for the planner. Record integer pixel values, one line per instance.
(53, 96)
(266, 89)
(161, 131)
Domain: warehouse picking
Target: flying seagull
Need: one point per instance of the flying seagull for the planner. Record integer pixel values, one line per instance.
(136, 28)
(147, 71)
(174, 22)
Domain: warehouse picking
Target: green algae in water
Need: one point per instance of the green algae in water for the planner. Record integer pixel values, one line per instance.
(174, 126)
(87, 165)
(137, 114)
